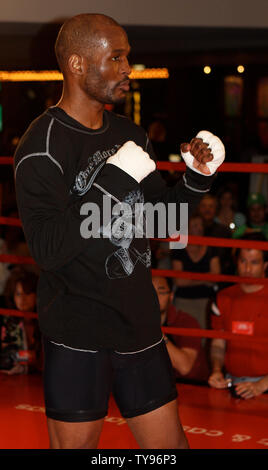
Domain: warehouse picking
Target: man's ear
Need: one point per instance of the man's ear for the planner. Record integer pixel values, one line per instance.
(75, 64)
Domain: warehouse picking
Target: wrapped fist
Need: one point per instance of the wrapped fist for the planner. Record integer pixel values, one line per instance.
(133, 160)
(204, 154)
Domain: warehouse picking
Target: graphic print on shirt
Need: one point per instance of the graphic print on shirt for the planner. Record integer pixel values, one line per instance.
(121, 263)
(85, 179)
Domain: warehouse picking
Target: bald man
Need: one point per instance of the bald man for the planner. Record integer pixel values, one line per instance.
(96, 303)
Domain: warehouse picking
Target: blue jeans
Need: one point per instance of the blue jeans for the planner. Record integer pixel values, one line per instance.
(236, 380)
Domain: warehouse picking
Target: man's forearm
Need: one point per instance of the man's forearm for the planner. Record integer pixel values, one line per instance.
(264, 383)
(181, 360)
(217, 354)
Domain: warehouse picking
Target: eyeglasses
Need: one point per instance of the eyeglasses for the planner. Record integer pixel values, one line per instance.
(164, 292)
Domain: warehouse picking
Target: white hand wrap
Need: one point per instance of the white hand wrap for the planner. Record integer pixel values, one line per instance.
(216, 147)
(133, 160)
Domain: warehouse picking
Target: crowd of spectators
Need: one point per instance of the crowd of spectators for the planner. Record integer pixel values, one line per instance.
(184, 303)
(238, 308)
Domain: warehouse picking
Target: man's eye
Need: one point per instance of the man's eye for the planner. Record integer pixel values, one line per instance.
(117, 57)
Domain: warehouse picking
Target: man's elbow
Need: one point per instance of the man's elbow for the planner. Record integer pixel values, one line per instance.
(185, 369)
(45, 262)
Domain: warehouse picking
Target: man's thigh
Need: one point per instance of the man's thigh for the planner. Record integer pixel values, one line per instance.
(77, 384)
(145, 390)
(143, 381)
(159, 429)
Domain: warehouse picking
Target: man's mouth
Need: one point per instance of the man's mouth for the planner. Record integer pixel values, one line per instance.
(124, 85)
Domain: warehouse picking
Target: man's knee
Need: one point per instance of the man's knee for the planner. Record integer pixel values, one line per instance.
(63, 435)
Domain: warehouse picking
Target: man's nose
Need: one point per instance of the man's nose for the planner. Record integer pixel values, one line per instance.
(125, 67)
(248, 268)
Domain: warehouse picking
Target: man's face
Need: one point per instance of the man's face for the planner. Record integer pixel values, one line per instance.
(251, 263)
(257, 214)
(107, 68)
(163, 292)
(196, 227)
(207, 209)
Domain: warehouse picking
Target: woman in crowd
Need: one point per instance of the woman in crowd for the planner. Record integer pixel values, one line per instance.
(21, 343)
(227, 213)
(192, 296)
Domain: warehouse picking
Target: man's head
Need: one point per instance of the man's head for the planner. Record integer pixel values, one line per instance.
(208, 208)
(256, 208)
(196, 225)
(92, 52)
(251, 262)
(163, 287)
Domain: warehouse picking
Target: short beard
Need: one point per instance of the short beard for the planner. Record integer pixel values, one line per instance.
(94, 89)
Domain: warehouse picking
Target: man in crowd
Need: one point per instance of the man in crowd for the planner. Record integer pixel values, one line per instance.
(186, 352)
(242, 309)
(208, 211)
(256, 222)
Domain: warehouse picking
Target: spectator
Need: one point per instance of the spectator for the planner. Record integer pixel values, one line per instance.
(208, 211)
(227, 214)
(192, 296)
(186, 353)
(161, 257)
(242, 308)
(20, 336)
(256, 221)
(4, 270)
(157, 134)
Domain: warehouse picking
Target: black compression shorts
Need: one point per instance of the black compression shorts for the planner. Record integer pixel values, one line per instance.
(77, 384)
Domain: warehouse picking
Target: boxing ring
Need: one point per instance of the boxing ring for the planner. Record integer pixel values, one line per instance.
(211, 418)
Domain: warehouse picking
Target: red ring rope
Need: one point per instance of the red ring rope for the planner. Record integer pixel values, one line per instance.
(199, 332)
(180, 166)
(196, 332)
(6, 160)
(225, 167)
(10, 221)
(192, 240)
(17, 313)
(223, 242)
(210, 241)
(14, 259)
(208, 276)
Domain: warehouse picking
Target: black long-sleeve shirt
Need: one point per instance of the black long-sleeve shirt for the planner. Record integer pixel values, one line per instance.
(93, 292)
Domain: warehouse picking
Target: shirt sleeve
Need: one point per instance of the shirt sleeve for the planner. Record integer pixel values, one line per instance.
(191, 342)
(51, 216)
